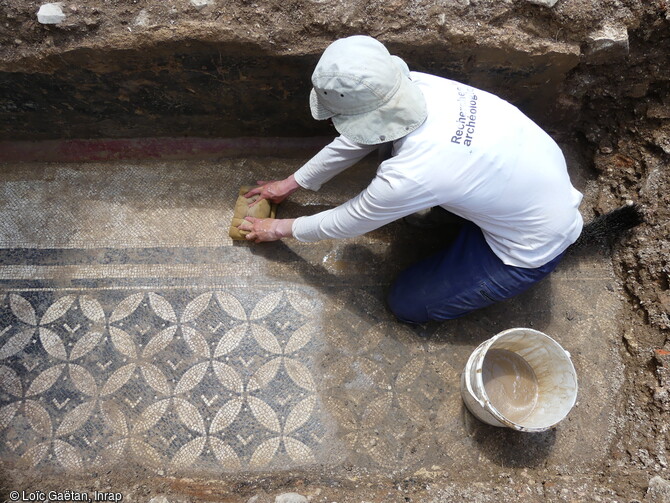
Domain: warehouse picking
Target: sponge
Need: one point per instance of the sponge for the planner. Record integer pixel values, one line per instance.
(263, 209)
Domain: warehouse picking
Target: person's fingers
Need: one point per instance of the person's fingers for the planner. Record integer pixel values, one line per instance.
(257, 190)
(264, 195)
(246, 224)
(251, 236)
(269, 190)
(253, 192)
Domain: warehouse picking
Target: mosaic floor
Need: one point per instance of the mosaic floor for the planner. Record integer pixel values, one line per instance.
(133, 331)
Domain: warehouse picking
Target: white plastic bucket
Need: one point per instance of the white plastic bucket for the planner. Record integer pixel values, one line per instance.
(554, 376)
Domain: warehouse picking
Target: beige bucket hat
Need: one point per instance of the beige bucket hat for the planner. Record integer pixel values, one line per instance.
(366, 92)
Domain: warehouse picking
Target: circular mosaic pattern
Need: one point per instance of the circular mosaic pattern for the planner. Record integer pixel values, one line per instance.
(216, 383)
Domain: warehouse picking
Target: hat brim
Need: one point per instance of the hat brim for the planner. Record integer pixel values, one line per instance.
(319, 112)
(398, 117)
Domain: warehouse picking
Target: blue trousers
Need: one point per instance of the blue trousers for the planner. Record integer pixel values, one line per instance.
(463, 277)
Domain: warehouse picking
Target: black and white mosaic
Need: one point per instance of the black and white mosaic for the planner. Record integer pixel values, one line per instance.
(218, 380)
(134, 333)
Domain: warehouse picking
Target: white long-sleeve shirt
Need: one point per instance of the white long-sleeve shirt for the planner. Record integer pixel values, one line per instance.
(478, 157)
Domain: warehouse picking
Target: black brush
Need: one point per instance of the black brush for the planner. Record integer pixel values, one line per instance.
(606, 229)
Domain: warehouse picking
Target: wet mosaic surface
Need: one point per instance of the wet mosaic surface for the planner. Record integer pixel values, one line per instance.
(133, 331)
(206, 384)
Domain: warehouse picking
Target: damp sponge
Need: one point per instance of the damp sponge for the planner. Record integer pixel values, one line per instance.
(263, 209)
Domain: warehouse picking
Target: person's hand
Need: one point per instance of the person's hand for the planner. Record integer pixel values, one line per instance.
(274, 191)
(266, 229)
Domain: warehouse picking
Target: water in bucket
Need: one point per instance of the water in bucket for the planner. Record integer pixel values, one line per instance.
(510, 384)
(522, 379)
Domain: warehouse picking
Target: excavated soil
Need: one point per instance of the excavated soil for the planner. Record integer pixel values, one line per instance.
(141, 68)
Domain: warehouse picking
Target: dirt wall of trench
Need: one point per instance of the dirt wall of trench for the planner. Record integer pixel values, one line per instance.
(146, 69)
(231, 88)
